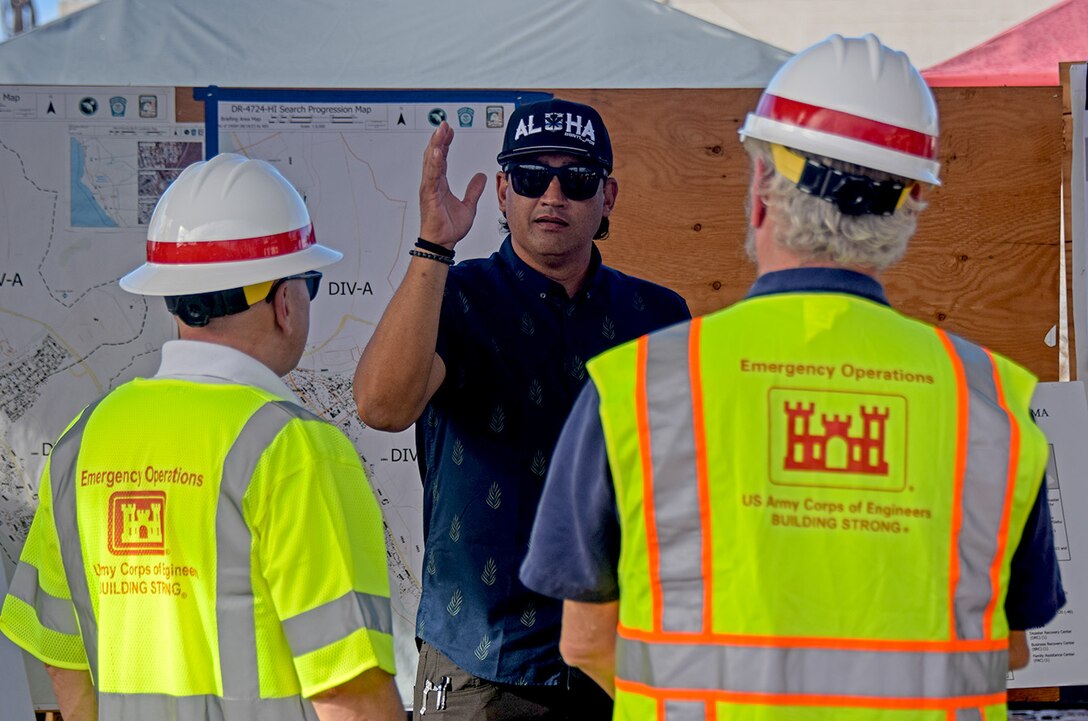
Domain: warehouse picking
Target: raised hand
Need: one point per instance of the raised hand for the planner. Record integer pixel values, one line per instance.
(443, 217)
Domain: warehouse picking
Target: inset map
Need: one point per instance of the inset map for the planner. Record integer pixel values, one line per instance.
(115, 183)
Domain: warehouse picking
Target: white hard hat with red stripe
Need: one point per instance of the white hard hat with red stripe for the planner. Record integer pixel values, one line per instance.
(226, 223)
(854, 100)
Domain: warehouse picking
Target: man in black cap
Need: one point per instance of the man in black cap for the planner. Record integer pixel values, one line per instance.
(489, 356)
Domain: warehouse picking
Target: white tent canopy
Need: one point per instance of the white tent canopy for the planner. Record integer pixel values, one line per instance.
(929, 31)
(387, 44)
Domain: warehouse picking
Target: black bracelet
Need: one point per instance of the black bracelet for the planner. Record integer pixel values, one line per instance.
(431, 256)
(434, 248)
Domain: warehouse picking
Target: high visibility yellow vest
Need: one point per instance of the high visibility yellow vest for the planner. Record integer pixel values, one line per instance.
(226, 565)
(819, 501)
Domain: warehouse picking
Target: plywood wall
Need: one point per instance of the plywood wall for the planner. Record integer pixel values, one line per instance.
(983, 264)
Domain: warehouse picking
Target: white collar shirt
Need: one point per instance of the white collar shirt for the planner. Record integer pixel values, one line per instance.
(200, 362)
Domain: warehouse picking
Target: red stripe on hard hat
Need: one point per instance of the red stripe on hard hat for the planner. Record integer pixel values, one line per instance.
(225, 251)
(825, 120)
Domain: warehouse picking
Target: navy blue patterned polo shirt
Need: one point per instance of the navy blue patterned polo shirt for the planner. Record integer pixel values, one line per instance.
(515, 348)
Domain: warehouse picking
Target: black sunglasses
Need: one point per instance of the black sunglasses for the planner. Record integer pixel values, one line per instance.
(531, 180)
(312, 278)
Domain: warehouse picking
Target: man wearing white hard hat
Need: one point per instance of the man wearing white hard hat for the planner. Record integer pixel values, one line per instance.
(807, 505)
(204, 547)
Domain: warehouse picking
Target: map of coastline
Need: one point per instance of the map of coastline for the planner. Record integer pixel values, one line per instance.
(87, 212)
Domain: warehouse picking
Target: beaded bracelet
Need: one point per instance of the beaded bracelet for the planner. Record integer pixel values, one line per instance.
(434, 248)
(431, 256)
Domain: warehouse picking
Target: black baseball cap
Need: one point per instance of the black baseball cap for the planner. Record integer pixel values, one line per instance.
(557, 126)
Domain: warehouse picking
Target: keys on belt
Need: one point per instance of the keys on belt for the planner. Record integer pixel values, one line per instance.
(439, 690)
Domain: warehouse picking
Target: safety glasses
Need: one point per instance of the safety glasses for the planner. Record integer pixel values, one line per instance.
(312, 278)
(531, 180)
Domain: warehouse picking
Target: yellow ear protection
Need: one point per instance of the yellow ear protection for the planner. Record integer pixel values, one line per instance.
(257, 292)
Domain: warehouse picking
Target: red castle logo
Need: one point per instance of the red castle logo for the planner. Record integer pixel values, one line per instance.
(808, 451)
(136, 523)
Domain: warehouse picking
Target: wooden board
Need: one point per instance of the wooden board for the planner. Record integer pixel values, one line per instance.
(1067, 208)
(983, 264)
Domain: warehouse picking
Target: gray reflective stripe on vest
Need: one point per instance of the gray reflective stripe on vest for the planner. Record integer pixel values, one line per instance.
(985, 481)
(670, 413)
(203, 708)
(697, 711)
(323, 625)
(816, 671)
(62, 479)
(53, 613)
(685, 711)
(234, 594)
